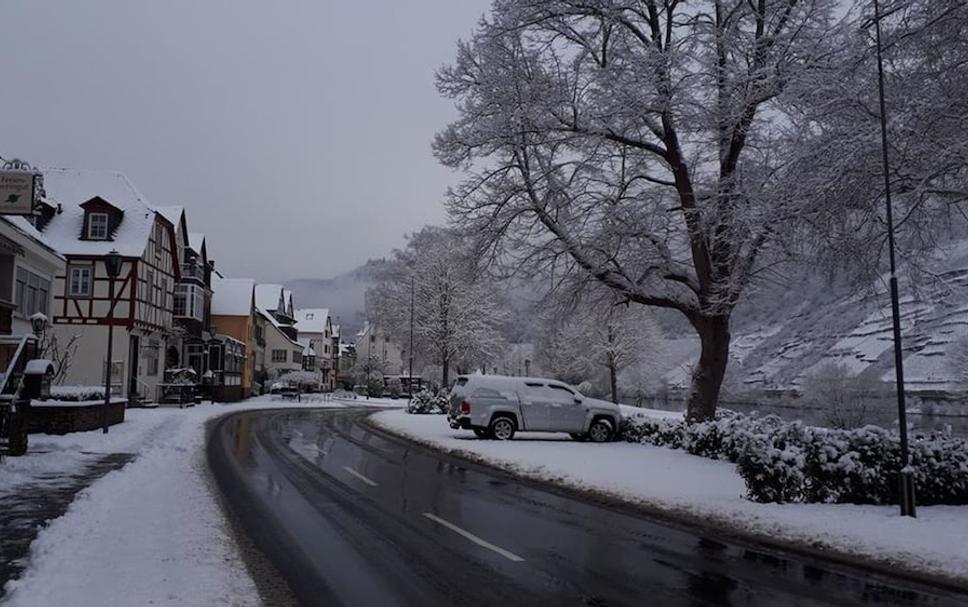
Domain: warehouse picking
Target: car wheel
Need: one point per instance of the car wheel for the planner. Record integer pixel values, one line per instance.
(579, 437)
(600, 431)
(481, 433)
(502, 428)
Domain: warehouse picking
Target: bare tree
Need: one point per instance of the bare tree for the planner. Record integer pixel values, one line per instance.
(597, 334)
(640, 144)
(60, 355)
(457, 314)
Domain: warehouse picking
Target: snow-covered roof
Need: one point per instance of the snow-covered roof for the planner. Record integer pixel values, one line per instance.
(171, 213)
(267, 296)
(311, 320)
(25, 228)
(307, 347)
(232, 296)
(196, 240)
(73, 187)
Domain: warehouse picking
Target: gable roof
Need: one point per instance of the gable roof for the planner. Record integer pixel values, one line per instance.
(73, 187)
(267, 296)
(232, 296)
(311, 320)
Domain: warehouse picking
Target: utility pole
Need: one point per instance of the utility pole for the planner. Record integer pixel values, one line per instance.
(410, 379)
(906, 478)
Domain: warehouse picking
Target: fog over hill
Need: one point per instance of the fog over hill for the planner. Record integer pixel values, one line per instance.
(344, 294)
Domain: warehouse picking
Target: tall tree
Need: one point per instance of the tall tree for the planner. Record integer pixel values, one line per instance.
(597, 337)
(457, 313)
(638, 143)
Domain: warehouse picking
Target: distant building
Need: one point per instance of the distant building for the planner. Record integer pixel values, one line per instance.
(315, 330)
(373, 344)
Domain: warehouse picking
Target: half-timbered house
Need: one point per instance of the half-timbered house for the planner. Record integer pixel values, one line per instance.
(87, 215)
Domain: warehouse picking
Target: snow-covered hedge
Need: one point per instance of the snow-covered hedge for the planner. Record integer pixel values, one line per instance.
(424, 402)
(790, 462)
(77, 393)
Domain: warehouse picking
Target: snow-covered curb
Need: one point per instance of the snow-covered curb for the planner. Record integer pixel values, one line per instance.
(151, 533)
(674, 483)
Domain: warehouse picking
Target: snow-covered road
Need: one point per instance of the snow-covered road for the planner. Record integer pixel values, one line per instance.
(152, 533)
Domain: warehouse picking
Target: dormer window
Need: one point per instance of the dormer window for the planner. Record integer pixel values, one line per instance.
(97, 226)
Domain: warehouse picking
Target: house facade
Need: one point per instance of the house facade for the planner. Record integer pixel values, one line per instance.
(373, 344)
(283, 353)
(85, 216)
(315, 331)
(234, 316)
(28, 268)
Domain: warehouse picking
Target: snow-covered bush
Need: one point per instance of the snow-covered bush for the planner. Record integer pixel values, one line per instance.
(303, 379)
(859, 466)
(77, 393)
(772, 474)
(790, 462)
(394, 387)
(425, 402)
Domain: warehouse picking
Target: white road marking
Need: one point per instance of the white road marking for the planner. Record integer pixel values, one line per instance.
(360, 476)
(467, 534)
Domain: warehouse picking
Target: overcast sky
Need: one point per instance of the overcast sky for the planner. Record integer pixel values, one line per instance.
(296, 133)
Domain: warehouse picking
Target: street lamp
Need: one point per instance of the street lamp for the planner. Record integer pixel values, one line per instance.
(410, 379)
(906, 479)
(112, 265)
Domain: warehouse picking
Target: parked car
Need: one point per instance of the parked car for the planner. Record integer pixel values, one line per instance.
(496, 406)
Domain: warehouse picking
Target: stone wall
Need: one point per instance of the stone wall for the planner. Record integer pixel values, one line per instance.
(72, 418)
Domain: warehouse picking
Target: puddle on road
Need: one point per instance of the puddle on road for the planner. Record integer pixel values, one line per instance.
(25, 511)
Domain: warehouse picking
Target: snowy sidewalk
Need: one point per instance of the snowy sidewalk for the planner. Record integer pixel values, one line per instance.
(152, 532)
(710, 491)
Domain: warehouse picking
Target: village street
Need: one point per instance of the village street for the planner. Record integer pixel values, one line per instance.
(352, 515)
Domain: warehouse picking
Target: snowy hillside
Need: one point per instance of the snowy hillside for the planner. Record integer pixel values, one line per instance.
(787, 334)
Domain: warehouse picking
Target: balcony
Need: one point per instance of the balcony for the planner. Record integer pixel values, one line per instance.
(193, 271)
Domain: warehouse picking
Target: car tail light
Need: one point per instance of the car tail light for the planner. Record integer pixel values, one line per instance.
(465, 408)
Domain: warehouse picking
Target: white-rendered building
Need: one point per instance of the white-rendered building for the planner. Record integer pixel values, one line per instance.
(315, 329)
(86, 215)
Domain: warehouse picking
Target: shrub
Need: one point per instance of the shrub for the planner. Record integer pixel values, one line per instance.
(77, 393)
(790, 462)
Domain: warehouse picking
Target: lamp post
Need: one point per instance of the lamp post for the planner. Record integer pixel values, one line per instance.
(112, 265)
(906, 479)
(410, 379)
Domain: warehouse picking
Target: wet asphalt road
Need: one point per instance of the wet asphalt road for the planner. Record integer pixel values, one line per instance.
(352, 516)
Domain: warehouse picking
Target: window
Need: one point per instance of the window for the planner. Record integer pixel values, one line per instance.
(97, 226)
(297, 357)
(31, 293)
(148, 294)
(189, 302)
(195, 357)
(159, 239)
(279, 356)
(80, 281)
(151, 368)
(215, 357)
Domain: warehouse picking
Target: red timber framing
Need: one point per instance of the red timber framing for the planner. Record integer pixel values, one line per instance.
(136, 303)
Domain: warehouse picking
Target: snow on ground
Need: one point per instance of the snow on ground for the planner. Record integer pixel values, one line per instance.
(675, 482)
(152, 533)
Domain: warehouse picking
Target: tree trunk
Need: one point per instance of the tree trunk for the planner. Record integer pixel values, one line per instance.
(445, 376)
(613, 379)
(707, 378)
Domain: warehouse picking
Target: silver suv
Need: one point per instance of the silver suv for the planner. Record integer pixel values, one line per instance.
(497, 406)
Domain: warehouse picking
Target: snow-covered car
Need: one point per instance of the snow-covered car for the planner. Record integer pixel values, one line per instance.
(497, 406)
